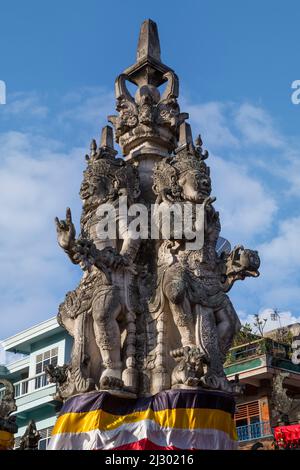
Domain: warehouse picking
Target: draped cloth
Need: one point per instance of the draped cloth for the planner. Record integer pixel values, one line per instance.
(172, 419)
(6, 440)
(287, 436)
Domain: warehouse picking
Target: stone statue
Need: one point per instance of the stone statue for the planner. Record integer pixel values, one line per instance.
(284, 406)
(149, 313)
(30, 438)
(8, 406)
(192, 283)
(98, 312)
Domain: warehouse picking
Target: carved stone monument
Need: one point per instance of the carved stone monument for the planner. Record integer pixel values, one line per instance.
(150, 314)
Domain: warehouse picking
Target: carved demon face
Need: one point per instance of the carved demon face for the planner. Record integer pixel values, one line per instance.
(244, 261)
(249, 259)
(195, 185)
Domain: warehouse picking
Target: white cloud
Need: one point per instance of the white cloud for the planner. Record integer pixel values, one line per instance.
(281, 254)
(210, 120)
(26, 104)
(87, 105)
(37, 182)
(285, 318)
(246, 207)
(289, 169)
(280, 268)
(257, 126)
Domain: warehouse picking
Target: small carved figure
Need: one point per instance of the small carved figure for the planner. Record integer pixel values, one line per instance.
(31, 437)
(190, 367)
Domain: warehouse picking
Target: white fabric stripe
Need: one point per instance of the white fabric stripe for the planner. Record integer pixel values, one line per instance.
(147, 429)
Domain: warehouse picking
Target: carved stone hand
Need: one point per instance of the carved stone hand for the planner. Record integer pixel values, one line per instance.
(65, 231)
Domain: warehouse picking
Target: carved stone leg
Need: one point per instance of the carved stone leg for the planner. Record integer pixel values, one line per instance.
(106, 309)
(225, 332)
(207, 339)
(183, 319)
(228, 324)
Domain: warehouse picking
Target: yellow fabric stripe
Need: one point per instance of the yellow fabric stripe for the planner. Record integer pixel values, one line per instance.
(180, 418)
(6, 439)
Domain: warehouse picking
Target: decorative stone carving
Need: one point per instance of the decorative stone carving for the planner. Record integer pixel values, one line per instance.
(238, 264)
(189, 370)
(148, 116)
(30, 438)
(149, 314)
(8, 406)
(100, 308)
(283, 405)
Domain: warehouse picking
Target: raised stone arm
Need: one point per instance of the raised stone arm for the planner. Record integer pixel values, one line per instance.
(84, 252)
(240, 263)
(66, 234)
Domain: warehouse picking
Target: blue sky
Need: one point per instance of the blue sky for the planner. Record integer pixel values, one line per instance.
(236, 62)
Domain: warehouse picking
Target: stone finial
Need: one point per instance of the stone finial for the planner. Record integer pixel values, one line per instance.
(148, 45)
(107, 138)
(148, 69)
(185, 137)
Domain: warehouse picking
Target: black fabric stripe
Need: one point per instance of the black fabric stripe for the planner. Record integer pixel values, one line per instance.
(169, 399)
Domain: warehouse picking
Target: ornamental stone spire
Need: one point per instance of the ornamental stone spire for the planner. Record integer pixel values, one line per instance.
(148, 45)
(148, 69)
(147, 124)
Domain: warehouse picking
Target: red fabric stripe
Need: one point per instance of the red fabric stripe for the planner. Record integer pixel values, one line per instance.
(144, 444)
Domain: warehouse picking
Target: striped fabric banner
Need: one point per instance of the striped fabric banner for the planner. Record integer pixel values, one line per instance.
(172, 419)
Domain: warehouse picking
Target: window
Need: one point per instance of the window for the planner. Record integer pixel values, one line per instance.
(247, 410)
(21, 388)
(45, 438)
(42, 360)
(247, 420)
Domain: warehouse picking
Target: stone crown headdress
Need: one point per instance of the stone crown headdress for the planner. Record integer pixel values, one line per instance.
(188, 156)
(102, 164)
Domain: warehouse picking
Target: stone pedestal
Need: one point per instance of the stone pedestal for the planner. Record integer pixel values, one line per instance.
(174, 419)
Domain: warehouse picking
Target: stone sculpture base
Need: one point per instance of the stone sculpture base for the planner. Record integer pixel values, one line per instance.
(173, 419)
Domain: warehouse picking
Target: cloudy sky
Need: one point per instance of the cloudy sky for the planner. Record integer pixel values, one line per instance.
(236, 62)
